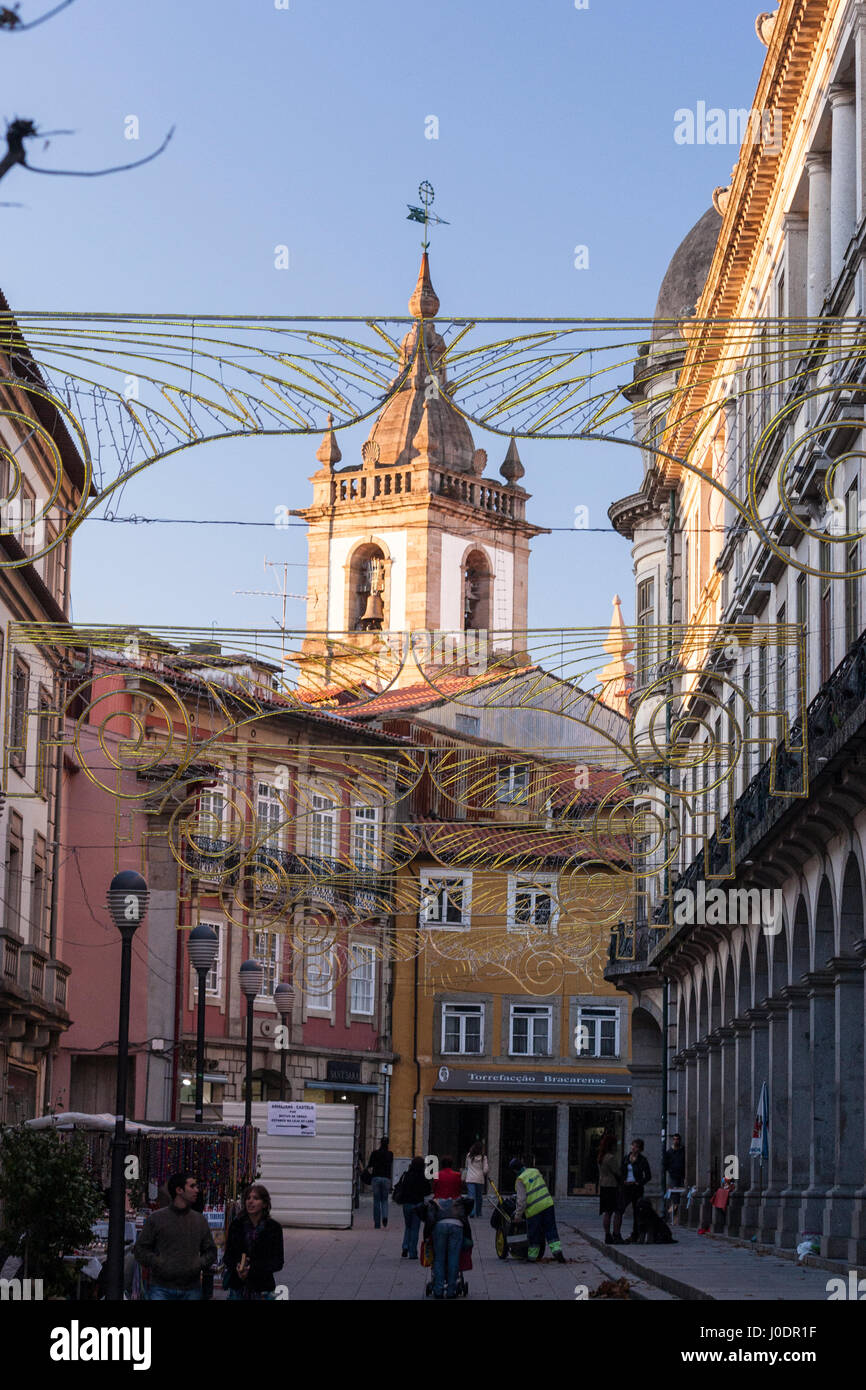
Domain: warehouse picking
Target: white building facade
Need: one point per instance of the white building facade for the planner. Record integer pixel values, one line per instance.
(748, 548)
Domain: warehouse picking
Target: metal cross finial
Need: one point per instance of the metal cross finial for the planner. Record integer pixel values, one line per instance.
(423, 214)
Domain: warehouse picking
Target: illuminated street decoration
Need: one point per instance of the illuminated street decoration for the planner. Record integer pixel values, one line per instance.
(188, 712)
(142, 388)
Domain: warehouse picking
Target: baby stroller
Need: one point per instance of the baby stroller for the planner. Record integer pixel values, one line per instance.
(462, 1287)
(512, 1237)
(427, 1263)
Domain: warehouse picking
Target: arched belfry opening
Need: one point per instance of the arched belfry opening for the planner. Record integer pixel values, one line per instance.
(368, 599)
(477, 592)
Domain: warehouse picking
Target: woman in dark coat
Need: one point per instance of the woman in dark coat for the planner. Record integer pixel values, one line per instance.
(415, 1187)
(254, 1248)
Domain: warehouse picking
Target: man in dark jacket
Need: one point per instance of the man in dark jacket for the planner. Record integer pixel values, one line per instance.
(176, 1245)
(635, 1175)
(675, 1172)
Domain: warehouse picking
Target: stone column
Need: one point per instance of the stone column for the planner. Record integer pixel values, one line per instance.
(713, 1112)
(777, 1168)
(760, 1056)
(818, 257)
(494, 1117)
(797, 1126)
(689, 1123)
(742, 1101)
(645, 1118)
(562, 1117)
(843, 175)
(728, 1095)
(860, 80)
(858, 1227)
(796, 225)
(702, 1130)
(821, 1070)
(848, 1119)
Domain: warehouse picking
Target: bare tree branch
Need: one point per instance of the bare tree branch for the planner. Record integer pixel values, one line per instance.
(19, 130)
(11, 21)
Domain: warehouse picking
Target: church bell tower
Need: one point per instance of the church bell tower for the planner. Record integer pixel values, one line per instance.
(412, 537)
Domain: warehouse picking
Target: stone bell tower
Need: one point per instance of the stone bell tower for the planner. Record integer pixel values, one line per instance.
(413, 537)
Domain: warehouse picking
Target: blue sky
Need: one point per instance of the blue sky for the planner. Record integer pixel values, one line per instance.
(306, 127)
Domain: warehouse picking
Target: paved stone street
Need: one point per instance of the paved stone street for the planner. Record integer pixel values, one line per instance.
(702, 1267)
(365, 1264)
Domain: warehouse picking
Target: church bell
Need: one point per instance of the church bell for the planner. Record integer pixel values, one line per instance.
(374, 613)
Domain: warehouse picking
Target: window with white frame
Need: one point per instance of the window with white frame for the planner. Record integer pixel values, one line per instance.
(210, 821)
(270, 815)
(531, 1030)
(463, 1028)
(267, 952)
(532, 902)
(214, 977)
(319, 978)
(597, 1032)
(446, 899)
(512, 783)
(323, 826)
(365, 837)
(362, 979)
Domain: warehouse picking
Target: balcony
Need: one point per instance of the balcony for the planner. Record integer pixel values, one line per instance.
(32, 993)
(630, 949)
(329, 880)
(835, 739)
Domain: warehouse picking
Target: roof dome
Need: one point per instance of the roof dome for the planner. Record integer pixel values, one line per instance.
(687, 273)
(419, 421)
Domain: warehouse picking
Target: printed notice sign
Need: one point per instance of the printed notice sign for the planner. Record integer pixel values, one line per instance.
(292, 1117)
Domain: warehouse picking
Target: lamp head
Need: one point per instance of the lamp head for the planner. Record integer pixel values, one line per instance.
(127, 901)
(251, 973)
(284, 998)
(202, 944)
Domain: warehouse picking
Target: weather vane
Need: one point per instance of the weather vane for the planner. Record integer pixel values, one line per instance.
(423, 214)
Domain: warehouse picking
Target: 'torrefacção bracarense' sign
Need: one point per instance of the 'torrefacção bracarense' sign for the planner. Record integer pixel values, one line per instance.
(500, 1079)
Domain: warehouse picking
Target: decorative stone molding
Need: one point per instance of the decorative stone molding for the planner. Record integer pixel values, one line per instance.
(764, 26)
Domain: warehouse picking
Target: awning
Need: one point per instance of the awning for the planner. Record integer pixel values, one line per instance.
(371, 1089)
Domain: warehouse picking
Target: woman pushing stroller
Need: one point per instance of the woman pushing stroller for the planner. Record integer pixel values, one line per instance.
(446, 1225)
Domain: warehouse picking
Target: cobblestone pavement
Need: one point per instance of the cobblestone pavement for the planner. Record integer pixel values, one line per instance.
(705, 1267)
(366, 1264)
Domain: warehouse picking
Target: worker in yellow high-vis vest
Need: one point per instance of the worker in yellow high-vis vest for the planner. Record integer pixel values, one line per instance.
(536, 1204)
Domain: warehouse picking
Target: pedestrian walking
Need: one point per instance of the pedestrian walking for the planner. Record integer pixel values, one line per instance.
(254, 1249)
(535, 1202)
(609, 1185)
(674, 1176)
(381, 1165)
(476, 1169)
(414, 1188)
(446, 1222)
(448, 1182)
(175, 1244)
(635, 1176)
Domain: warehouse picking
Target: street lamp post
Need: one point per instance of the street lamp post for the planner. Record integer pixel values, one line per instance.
(203, 944)
(284, 998)
(251, 976)
(127, 904)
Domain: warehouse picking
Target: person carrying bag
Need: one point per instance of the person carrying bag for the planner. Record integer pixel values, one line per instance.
(476, 1170)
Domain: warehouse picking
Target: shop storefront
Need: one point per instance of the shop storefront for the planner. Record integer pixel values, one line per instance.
(554, 1119)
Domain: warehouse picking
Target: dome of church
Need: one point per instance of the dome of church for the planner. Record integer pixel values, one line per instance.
(687, 272)
(418, 422)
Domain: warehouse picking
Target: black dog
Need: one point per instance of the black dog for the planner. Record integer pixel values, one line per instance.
(651, 1228)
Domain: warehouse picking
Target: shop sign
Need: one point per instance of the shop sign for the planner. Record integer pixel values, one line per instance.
(296, 1117)
(344, 1072)
(500, 1079)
